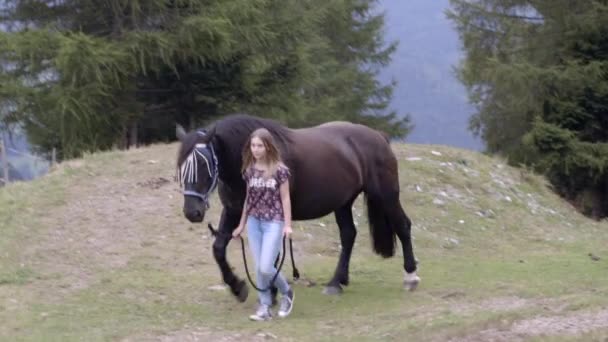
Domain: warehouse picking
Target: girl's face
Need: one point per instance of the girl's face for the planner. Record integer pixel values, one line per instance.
(257, 148)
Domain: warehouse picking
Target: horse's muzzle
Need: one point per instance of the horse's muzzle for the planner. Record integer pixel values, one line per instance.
(194, 216)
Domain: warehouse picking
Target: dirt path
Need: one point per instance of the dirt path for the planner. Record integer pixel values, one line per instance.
(570, 325)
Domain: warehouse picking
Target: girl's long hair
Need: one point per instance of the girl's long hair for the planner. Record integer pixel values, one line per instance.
(273, 156)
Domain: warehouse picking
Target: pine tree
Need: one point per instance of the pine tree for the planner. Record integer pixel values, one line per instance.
(350, 55)
(90, 75)
(538, 72)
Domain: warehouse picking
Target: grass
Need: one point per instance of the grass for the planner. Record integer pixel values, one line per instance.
(98, 250)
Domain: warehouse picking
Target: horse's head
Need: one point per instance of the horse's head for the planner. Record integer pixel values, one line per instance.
(197, 171)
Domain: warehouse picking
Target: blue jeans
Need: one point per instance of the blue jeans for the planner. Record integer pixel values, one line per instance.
(265, 242)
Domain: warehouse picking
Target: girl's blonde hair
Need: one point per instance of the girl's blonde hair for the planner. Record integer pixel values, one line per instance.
(273, 156)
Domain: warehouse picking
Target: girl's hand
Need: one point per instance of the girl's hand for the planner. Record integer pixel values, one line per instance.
(287, 231)
(237, 232)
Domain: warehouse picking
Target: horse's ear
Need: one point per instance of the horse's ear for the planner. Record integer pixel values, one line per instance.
(212, 131)
(180, 132)
(209, 134)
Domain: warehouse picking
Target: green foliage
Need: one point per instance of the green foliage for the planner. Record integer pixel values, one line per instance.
(538, 72)
(86, 75)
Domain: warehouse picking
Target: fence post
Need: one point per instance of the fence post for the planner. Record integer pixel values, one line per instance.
(54, 157)
(3, 155)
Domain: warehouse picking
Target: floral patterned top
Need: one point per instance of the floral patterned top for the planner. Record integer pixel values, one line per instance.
(264, 201)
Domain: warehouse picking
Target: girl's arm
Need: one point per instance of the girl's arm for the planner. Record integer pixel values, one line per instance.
(286, 201)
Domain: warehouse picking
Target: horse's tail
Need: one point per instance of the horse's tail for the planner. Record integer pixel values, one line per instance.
(380, 224)
(382, 198)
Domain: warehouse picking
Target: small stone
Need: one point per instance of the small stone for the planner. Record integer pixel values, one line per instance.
(413, 159)
(450, 243)
(435, 153)
(266, 336)
(461, 221)
(306, 282)
(217, 288)
(439, 202)
(322, 224)
(418, 188)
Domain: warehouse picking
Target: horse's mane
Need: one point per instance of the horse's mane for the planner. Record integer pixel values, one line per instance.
(234, 130)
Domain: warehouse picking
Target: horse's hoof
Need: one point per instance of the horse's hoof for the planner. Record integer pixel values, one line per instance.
(411, 281)
(242, 291)
(411, 285)
(332, 290)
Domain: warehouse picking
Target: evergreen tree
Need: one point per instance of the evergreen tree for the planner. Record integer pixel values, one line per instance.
(350, 56)
(89, 75)
(538, 72)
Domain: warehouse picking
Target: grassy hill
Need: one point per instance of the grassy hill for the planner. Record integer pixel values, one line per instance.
(99, 250)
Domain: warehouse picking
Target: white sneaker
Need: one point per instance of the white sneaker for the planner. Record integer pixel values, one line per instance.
(286, 304)
(262, 314)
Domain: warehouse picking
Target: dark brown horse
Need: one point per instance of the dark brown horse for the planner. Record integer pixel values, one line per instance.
(330, 164)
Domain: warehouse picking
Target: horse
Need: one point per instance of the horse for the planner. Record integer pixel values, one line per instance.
(330, 165)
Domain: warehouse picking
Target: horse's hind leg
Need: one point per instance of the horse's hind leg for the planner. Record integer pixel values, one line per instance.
(348, 232)
(402, 227)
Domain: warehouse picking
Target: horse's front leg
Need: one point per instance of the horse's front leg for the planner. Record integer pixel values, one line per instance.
(228, 222)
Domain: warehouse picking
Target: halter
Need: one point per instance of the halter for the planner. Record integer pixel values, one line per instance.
(188, 172)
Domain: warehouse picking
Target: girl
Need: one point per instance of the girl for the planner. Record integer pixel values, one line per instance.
(267, 213)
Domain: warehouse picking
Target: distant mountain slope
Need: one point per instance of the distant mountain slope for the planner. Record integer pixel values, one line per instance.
(427, 88)
(23, 164)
